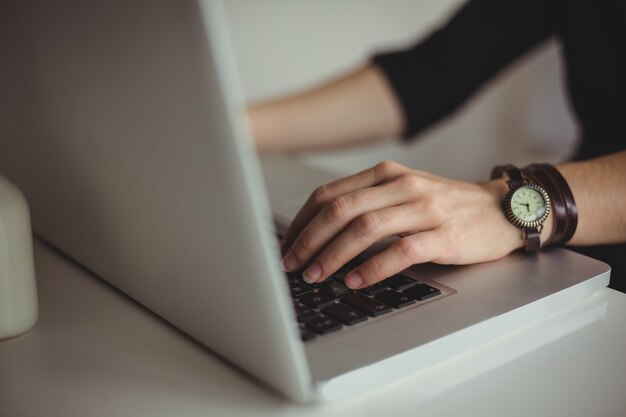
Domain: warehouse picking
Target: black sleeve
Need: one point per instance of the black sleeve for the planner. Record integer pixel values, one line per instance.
(435, 77)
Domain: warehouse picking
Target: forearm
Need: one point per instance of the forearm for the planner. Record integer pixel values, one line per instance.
(599, 188)
(357, 108)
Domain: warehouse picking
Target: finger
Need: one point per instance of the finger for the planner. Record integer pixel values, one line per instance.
(380, 173)
(414, 249)
(337, 215)
(364, 231)
(322, 196)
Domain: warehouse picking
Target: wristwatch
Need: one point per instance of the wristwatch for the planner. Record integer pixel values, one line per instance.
(526, 205)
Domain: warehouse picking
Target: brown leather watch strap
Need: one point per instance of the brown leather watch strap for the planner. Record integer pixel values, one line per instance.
(512, 172)
(533, 243)
(563, 204)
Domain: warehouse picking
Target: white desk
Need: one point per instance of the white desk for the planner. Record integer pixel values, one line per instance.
(95, 352)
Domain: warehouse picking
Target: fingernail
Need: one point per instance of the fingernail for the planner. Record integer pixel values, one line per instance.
(312, 273)
(354, 280)
(289, 262)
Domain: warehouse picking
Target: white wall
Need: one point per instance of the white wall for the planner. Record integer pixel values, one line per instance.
(286, 45)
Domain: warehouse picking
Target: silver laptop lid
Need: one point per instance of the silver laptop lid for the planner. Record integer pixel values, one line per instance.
(122, 133)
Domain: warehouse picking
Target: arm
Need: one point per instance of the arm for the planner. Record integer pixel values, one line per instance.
(599, 188)
(436, 219)
(407, 91)
(359, 107)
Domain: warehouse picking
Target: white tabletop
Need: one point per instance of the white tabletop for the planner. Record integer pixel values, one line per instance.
(95, 352)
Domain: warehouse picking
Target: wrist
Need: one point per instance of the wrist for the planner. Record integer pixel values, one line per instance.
(511, 236)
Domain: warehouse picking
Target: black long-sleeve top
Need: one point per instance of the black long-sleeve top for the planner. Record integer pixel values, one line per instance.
(433, 78)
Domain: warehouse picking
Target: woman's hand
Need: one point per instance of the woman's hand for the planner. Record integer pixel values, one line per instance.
(437, 219)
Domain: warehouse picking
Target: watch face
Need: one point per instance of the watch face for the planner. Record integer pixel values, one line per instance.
(528, 206)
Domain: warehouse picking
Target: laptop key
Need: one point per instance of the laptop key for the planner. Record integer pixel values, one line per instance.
(304, 313)
(299, 287)
(335, 288)
(422, 292)
(368, 305)
(344, 314)
(374, 288)
(294, 276)
(317, 299)
(395, 299)
(306, 334)
(400, 282)
(323, 325)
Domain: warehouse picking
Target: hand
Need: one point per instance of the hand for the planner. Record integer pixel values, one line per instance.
(437, 219)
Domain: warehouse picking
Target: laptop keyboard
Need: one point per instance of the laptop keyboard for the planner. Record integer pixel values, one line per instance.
(331, 306)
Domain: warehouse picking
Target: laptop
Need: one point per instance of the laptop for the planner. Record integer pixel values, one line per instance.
(123, 126)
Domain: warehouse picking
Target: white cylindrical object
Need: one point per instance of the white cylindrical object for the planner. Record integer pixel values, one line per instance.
(18, 289)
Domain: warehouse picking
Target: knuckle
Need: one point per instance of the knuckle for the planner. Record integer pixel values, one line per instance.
(302, 246)
(333, 258)
(408, 248)
(410, 181)
(377, 268)
(385, 168)
(373, 271)
(434, 205)
(320, 195)
(367, 224)
(337, 209)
